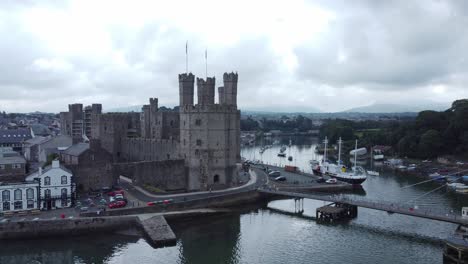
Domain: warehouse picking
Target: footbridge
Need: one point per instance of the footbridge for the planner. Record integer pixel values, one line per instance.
(389, 207)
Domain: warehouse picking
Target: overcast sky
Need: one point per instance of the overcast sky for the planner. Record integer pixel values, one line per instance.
(290, 55)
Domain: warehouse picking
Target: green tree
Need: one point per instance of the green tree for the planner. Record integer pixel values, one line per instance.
(430, 144)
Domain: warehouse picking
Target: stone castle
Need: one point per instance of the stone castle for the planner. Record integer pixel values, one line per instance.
(194, 148)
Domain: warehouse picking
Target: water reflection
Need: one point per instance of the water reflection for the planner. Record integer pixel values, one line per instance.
(85, 249)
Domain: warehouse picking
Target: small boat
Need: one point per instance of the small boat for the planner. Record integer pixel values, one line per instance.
(290, 158)
(462, 191)
(358, 152)
(401, 167)
(281, 154)
(373, 173)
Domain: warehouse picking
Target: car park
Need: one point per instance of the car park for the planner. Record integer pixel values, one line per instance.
(280, 178)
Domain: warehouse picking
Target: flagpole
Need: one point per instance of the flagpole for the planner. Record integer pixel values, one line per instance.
(186, 57)
(206, 64)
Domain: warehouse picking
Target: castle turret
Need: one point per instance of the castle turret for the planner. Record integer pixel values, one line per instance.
(153, 104)
(186, 87)
(206, 91)
(230, 88)
(221, 95)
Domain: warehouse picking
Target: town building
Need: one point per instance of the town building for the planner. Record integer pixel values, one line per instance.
(12, 166)
(78, 122)
(19, 196)
(55, 185)
(31, 148)
(54, 145)
(91, 165)
(14, 138)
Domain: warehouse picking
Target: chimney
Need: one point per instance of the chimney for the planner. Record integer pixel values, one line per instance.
(40, 170)
(55, 164)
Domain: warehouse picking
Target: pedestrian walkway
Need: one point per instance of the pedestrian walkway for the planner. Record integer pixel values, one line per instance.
(252, 181)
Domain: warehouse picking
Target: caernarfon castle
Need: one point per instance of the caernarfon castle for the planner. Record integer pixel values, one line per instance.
(194, 148)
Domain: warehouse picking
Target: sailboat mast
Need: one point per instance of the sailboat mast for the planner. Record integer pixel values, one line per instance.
(355, 157)
(339, 150)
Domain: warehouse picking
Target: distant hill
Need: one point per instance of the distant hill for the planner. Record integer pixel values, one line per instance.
(134, 108)
(398, 108)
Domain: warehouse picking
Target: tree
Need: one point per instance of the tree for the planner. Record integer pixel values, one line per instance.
(430, 144)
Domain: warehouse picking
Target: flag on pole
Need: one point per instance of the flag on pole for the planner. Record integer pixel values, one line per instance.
(206, 54)
(186, 47)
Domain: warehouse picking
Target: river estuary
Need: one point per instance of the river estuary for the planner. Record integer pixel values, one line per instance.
(262, 235)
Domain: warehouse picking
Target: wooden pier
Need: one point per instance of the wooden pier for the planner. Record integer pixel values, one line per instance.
(335, 212)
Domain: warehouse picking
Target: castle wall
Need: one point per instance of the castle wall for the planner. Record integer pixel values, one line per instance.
(168, 175)
(142, 149)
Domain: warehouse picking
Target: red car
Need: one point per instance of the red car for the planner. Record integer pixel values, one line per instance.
(113, 193)
(117, 204)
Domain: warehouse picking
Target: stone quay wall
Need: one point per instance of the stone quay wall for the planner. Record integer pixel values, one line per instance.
(62, 227)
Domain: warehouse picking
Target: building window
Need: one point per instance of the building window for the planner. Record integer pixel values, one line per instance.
(47, 180)
(30, 204)
(2, 166)
(30, 194)
(199, 142)
(16, 166)
(47, 193)
(6, 206)
(6, 195)
(18, 205)
(197, 152)
(64, 180)
(18, 195)
(198, 122)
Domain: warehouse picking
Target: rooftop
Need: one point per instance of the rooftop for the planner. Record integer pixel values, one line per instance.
(12, 160)
(77, 149)
(14, 135)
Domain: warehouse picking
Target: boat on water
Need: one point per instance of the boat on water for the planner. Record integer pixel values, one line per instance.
(290, 158)
(457, 186)
(282, 150)
(356, 175)
(373, 173)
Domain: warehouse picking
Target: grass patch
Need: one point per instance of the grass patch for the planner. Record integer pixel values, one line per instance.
(150, 188)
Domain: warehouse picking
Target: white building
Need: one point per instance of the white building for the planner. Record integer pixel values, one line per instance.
(55, 186)
(19, 196)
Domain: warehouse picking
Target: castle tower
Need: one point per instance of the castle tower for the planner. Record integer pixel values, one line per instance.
(206, 91)
(210, 135)
(230, 88)
(186, 82)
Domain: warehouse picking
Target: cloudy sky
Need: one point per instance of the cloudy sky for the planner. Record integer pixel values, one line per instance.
(290, 55)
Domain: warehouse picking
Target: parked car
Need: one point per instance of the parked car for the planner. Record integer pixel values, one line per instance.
(274, 173)
(167, 201)
(118, 196)
(113, 193)
(320, 180)
(331, 181)
(280, 178)
(117, 204)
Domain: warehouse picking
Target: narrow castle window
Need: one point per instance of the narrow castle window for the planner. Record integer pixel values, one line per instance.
(198, 122)
(199, 142)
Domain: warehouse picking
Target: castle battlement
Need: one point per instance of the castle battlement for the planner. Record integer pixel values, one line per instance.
(230, 77)
(209, 81)
(184, 77)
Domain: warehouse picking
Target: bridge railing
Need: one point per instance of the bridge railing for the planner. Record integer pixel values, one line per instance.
(376, 204)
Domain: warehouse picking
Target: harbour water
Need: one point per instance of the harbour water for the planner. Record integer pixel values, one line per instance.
(262, 235)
